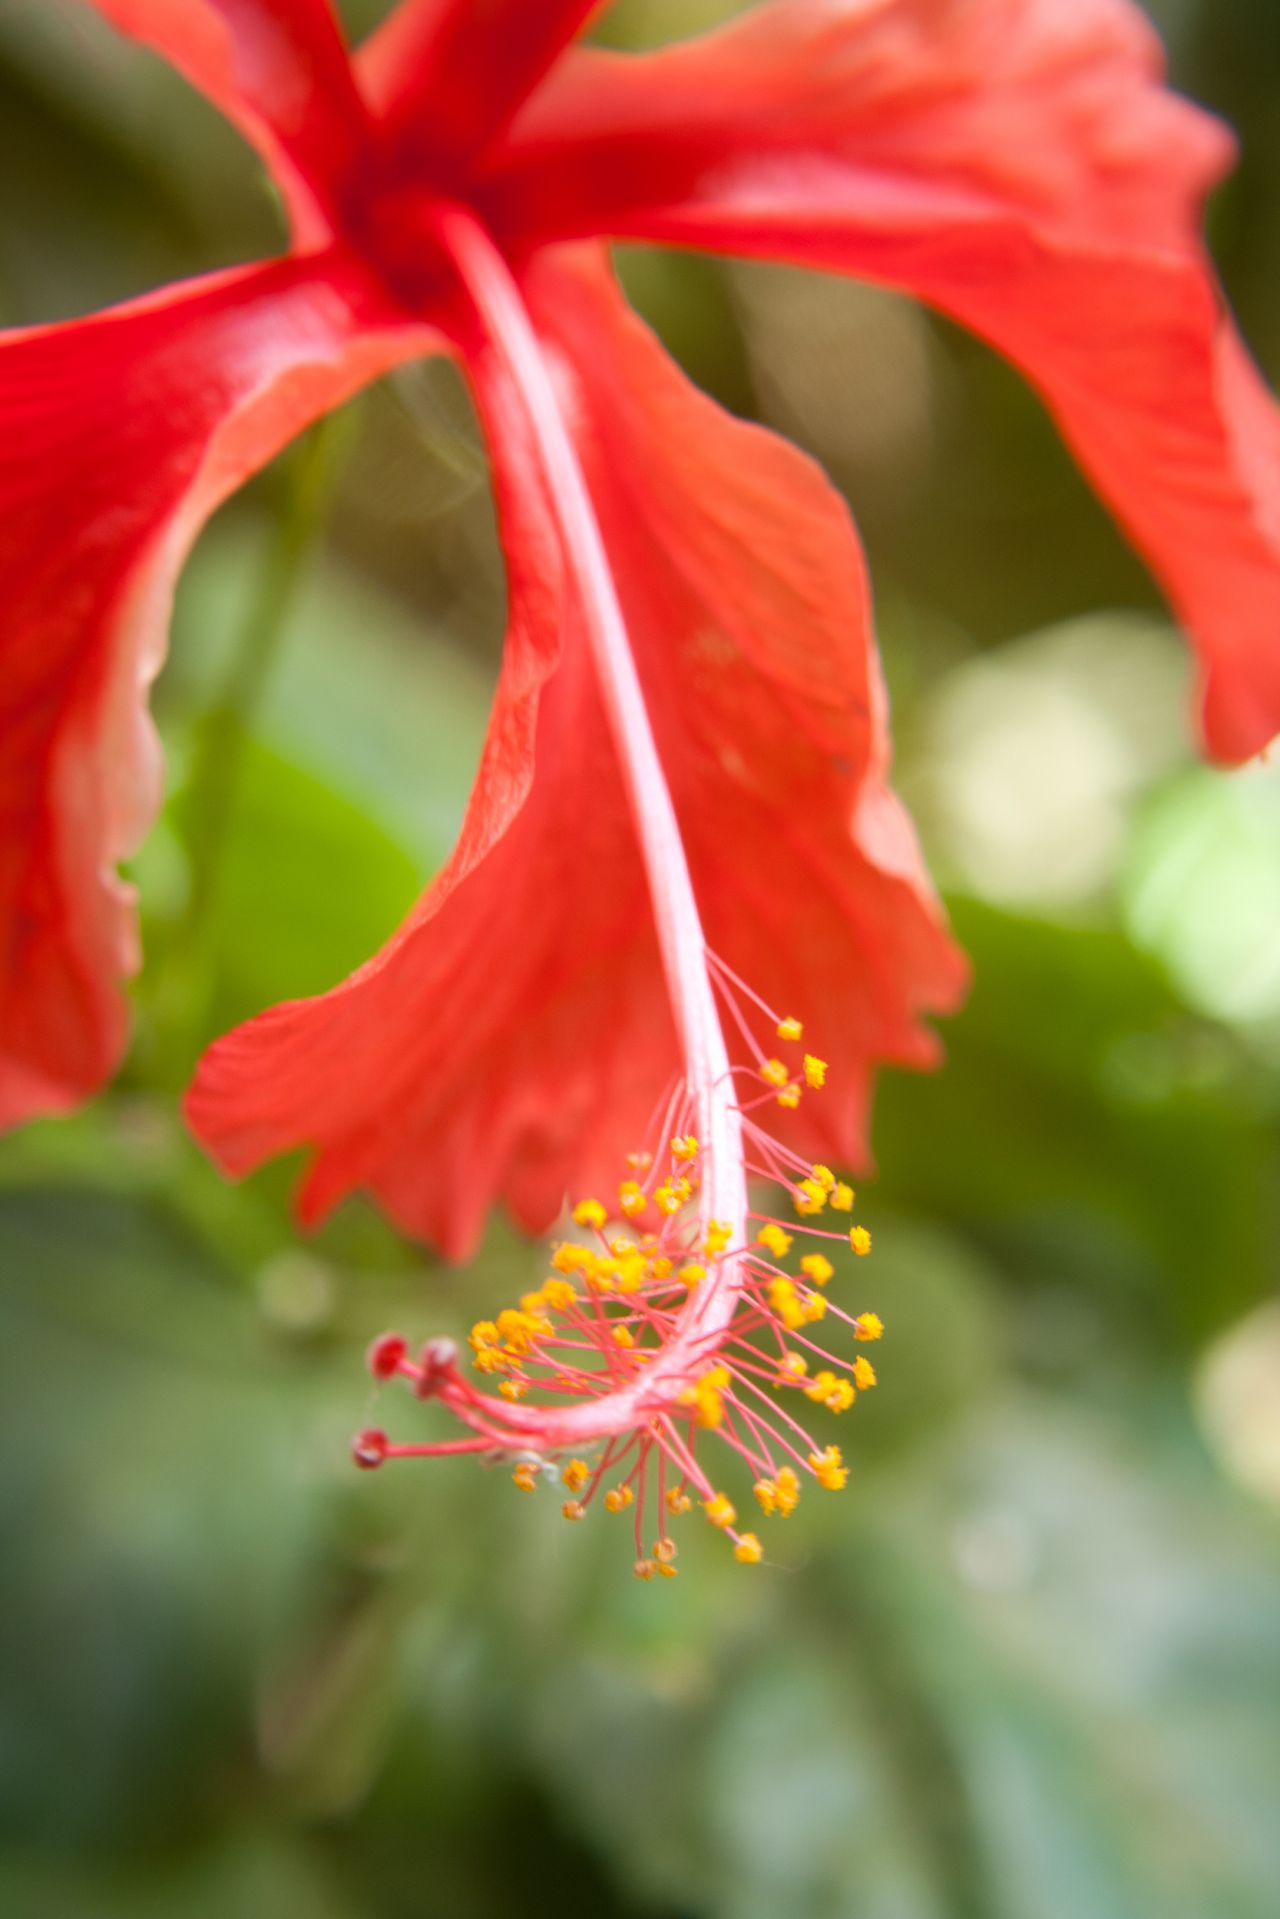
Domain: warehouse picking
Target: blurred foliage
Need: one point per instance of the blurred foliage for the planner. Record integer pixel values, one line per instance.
(1029, 1666)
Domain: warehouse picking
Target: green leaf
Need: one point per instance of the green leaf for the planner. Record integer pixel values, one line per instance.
(364, 695)
(1096, 1630)
(308, 887)
(1202, 890)
(1091, 1128)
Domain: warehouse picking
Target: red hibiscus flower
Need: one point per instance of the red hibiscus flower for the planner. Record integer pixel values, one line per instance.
(681, 832)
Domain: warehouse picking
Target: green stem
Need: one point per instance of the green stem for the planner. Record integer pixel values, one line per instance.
(220, 743)
(222, 736)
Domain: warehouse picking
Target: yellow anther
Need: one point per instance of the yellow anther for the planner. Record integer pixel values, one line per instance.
(818, 1268)
(810, 1197)
(513, 1388)
(518, 1329)
(665, 1550)
(719, 1233)
(559, 1295)
(632, 1269)
(719, 1510)
(828, 1469)
(570, 1258)
(618, 1498)
(774, 1073)
(576, 1474)
(622, 1336)
(489, 1360)
(483, 1333)
(815, 1308)
(589, 1212)
(789, 1097)
(645, 1568)
(864, 1374)
(828, 1390)
(840, 1198)
(815, 1071)
(825, 1177)
(631, 1198)
(788, 1492)
(525, 1476)
(684, 1147)
(678, 1501)
(600, 1274)
(860, 1240)
(704, 1400)
(666, 1570)
(639, 1162)
(667, 1199)
(785, 1301)
(766, 1491)
(691, 1273)
(748, 1551)
(533, 1302)
(573, 1509)
(795, 1365)
(789, 1028)
(661, 1267)
(868, 1326)
(774, 1240)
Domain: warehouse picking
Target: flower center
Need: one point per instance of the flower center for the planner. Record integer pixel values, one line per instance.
(612, 1356)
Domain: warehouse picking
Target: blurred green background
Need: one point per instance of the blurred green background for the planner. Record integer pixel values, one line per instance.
(1029, 1666)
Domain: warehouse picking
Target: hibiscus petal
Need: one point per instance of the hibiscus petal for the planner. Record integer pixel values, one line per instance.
(279, 70)
(1017, 164)
(749, 615)
(120, 435)
(451, 73)
(513, 1038)
(437, 1075)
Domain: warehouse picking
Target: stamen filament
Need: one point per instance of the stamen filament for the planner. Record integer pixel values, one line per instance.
(502, 313)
